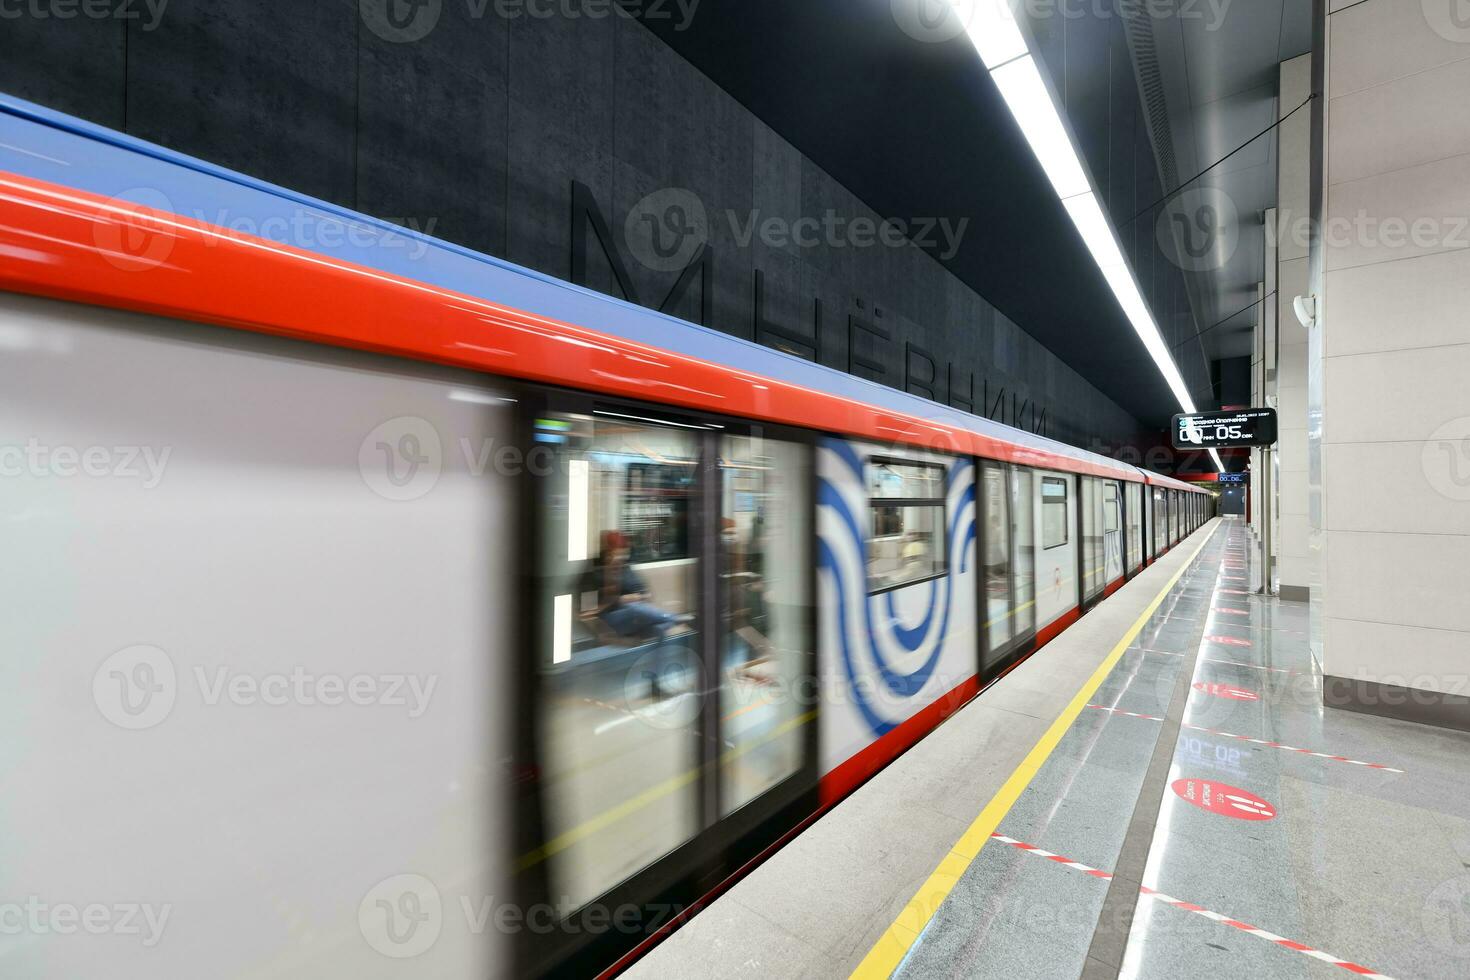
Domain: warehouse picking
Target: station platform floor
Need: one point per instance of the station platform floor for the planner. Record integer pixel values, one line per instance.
(1157, 793)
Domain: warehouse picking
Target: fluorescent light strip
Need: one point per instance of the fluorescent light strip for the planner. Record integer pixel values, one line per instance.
(578, 504)
(992, 27)
(561, 629)
(993, 30)
(1022, 87)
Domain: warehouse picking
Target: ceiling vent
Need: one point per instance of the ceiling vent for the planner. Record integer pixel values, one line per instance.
(1139, 27)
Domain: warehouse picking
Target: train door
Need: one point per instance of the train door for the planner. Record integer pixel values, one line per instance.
(1057, 587)
(1112, 523)
(1160, 522)
(1145, 525)
(1023, 552)
(1092, 561)
(672, 634)
(996, 585)
(1133, 514)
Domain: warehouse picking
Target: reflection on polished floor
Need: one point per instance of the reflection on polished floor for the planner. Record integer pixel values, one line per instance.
(1207, 816)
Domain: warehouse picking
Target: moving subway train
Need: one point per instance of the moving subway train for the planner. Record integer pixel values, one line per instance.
(378, 611)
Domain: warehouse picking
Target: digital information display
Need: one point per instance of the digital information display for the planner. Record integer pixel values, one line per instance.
(1232, 478)
(1226, 430)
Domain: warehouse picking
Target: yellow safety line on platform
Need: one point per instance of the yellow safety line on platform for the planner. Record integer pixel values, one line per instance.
(888, 953)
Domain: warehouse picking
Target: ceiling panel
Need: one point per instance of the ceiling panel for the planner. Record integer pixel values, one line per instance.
(917, 129)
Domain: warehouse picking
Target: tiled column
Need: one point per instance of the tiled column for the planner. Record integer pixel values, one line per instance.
(1292, 275)
(1395, 360)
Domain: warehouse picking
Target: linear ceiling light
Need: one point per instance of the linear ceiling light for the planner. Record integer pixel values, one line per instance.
(992, 29)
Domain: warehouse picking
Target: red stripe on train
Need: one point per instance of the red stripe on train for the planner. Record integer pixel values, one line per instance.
(876, 754)
(858, 769)
(1054, 629)
(73, 245)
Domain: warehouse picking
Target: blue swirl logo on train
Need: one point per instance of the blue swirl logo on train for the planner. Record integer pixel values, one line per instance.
(872, 636)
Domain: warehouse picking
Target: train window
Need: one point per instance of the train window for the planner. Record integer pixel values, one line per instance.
(1092, 550)
(899, 480)
(906, 537)
(1054, 531)
(1133, 508)
(765, 573)
(1023, 543)
(1161, 523)
(997, 556)
(1112, 532)
(653, 510)
(620, 693)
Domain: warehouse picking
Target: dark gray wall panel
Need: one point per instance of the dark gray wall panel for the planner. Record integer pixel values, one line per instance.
(423, 127)
(477, 131)
(432, 121)
(267, 87)
(75, 65)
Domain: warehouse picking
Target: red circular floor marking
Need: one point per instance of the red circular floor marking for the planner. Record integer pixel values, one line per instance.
(1226, 691)
(1225, 800)
(1229, 641)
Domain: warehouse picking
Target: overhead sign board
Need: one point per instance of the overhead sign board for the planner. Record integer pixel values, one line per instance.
(1226, 430)
(1232, 478)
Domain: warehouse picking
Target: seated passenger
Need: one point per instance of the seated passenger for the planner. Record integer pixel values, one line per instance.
(624, 603)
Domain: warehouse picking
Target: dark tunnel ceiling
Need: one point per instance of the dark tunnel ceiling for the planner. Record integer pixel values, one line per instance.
(919, 130)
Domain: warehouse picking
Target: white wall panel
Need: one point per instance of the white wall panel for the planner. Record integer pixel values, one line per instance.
(1375, 219)
(1399, 305)
(1396, 395)
(1432, 596)
(1393, 348)
(1383, 40)
(1405, 123)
